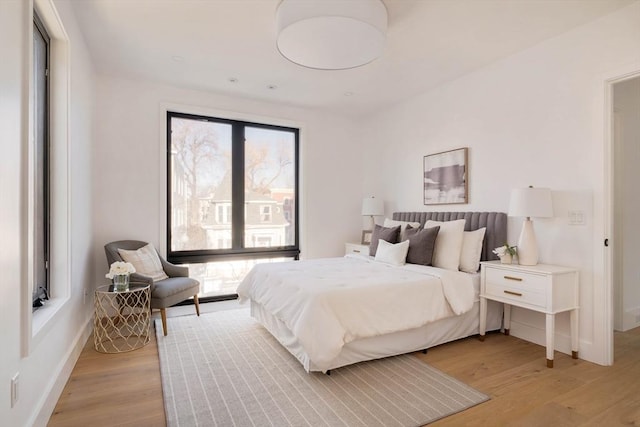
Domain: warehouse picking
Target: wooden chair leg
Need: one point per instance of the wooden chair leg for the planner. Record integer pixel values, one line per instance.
(197, 304)
(163, 313)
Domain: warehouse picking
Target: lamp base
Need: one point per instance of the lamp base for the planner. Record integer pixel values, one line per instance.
(527, 245)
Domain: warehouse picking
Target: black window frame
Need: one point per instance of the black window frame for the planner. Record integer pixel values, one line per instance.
(41, 141)
(237, 250)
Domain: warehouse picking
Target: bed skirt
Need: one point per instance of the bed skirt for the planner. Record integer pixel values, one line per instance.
(430, 335)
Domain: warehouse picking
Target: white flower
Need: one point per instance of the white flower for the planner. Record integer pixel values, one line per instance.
(501, 251)
(119, 268)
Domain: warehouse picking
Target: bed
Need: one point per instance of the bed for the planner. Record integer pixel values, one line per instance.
(334, 312)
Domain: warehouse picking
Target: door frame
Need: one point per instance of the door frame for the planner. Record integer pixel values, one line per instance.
(607, 324)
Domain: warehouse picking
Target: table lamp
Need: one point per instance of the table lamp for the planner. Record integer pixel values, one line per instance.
(372, 207)
(529, 202)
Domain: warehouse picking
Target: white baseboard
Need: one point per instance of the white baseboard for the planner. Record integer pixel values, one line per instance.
(536, 335)
(631, 318)
(43, 411)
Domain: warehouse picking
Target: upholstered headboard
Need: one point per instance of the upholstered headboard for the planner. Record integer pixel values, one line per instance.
(496, 223)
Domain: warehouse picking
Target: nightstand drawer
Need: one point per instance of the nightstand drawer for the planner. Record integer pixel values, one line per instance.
(531, 283)
(516, 294)
(355, 248)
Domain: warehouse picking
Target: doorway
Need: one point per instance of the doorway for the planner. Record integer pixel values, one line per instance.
(625, 150)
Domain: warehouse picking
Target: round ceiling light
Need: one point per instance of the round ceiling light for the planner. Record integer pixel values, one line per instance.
(331, 34)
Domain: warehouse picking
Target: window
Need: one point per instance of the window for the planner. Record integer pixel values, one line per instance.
(40, 112)
(47, 164)
(232, 193)
(286, 208)
(224, 213)
(265, 214)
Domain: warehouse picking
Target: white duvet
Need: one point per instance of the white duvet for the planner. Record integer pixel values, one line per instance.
(327, 303)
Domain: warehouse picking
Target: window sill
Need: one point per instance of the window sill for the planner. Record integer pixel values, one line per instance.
(42, 318)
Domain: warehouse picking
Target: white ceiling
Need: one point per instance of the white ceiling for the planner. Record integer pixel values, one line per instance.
(429, 43)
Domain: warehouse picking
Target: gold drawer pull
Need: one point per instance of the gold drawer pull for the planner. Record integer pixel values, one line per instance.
(517, 279)
(518, 294)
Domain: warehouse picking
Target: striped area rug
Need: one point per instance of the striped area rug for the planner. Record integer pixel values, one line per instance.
(224, 369)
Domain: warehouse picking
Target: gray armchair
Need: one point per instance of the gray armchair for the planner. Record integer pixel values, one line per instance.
(164, 293)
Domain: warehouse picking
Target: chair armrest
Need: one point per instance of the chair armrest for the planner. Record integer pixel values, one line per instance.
(173, 270)
(137, 278)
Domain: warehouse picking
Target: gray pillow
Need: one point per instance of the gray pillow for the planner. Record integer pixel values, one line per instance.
(421, 244)
(390, 234)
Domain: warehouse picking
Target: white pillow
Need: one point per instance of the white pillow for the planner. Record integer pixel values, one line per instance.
(471, 250)
(394, 254)
(403, 226)
(446, 253)
(146, 262)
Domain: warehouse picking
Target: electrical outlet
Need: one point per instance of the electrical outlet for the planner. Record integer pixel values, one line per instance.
(14, 389)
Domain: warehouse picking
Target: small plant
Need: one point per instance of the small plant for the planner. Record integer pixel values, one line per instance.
(505, 250)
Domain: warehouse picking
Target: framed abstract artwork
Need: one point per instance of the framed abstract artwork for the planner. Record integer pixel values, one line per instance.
(445, 177)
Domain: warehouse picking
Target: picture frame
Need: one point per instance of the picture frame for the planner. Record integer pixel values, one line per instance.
(445, 177)
(366, 237)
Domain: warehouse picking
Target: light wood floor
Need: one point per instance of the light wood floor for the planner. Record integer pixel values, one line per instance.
(125, 389)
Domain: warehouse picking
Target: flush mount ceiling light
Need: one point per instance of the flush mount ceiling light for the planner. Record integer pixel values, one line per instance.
(331, 34)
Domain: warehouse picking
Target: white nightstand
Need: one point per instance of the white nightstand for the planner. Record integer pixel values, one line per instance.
(356, 248)
(548, 289)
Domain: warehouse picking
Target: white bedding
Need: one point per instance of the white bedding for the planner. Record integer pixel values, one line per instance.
(328, 303)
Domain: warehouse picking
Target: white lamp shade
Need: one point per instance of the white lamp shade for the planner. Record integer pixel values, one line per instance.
(372, 206)
(531, 202)
(331, 34)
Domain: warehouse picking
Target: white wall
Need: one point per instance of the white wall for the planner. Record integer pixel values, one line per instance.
(535, 118)
(627, 106)
(44, 370)
(130, 174)
(11, 259)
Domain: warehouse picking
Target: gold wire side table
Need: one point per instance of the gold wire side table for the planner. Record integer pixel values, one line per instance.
(122, 319)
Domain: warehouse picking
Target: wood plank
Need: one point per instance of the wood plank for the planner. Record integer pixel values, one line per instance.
(125, 389)
(113, 389)
(574, 392)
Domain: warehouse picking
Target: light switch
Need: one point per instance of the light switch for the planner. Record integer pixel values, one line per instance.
(576, 218)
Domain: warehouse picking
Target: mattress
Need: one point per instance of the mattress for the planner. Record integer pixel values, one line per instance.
(330, 302)
(422, 338)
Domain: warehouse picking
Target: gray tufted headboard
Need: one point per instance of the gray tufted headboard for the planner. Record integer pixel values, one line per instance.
(496, 223)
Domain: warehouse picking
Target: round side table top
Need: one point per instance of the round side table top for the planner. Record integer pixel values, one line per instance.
(112, 289)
